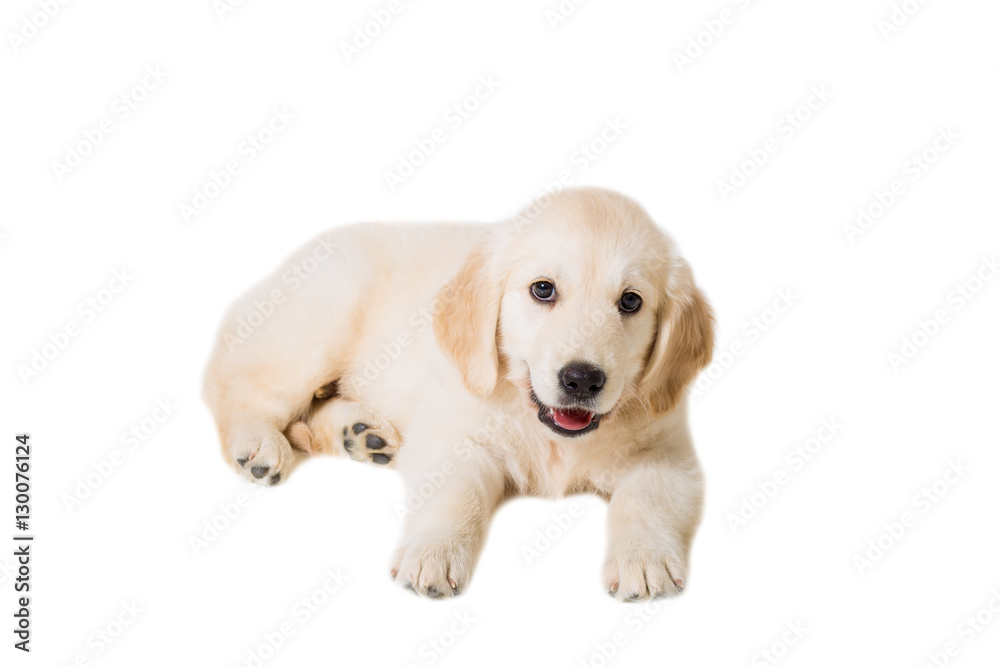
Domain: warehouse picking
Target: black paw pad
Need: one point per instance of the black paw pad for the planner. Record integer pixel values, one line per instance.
(275, 478)
(259, 471)
(348, 444)
(374, 442)
(345, 431)
(433, 592)
(359, 427)
(242, 461)
(381, 459)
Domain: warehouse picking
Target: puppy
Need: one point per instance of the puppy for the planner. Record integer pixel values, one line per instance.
(545, 355)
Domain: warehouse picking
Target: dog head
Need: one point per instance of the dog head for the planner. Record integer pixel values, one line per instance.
(585, 305)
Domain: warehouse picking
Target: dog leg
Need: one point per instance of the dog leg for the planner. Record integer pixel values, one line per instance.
(443, 537)
(277, 344)
(654, 512)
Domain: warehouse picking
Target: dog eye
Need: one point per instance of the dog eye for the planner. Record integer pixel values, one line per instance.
(630, 302)
(543, 290)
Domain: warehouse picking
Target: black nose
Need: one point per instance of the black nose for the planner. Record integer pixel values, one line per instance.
(581, 380)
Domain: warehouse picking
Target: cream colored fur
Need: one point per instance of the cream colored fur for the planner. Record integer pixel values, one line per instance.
(430, 331)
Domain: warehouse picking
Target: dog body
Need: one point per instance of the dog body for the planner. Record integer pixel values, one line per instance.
(545, 355)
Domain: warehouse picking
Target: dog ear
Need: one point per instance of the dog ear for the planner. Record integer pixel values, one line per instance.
(684, 341)
(468, 314)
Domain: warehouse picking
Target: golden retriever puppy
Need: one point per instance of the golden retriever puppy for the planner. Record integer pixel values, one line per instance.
(545, 355)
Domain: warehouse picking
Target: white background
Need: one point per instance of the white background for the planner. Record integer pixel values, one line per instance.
(688, 125)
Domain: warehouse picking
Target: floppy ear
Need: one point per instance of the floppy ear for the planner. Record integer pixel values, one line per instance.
(468, 314)
(683, 345)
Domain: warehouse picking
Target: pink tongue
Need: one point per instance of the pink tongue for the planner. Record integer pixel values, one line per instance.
(571, 420)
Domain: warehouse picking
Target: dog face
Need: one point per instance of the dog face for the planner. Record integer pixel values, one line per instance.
(578, 317)
(586, 308)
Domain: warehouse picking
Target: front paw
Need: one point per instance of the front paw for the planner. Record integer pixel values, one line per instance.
(433, 567)
(644, 571)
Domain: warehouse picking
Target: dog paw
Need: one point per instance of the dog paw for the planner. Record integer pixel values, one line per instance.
(433, 568)
(261, 455)
(644, 573)
(370, 440)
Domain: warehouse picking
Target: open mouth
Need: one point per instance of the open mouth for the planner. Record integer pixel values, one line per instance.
(569, 422)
